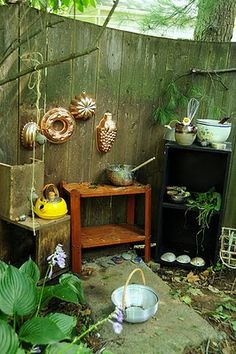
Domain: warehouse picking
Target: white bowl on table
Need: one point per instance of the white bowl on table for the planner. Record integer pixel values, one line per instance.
(211, 131)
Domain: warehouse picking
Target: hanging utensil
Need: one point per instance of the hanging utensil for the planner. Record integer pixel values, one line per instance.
(223, 120)
(142, 164)
(192, 108)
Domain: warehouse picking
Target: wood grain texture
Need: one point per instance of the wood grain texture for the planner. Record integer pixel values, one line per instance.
(127, 75)
(9, 93)
(32, 51)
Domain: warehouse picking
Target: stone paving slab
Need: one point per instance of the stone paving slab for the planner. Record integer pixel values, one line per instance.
(174, 328)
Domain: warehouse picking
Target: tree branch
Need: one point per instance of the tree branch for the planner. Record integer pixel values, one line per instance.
(14, 45)
(66, 57)
(47, 64)
(217, 71)
(115, 3)
(205, 72)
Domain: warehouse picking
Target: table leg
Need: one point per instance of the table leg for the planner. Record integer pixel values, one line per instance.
(75, 231)
(147, 228)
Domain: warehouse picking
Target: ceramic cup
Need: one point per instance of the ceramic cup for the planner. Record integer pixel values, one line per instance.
(185, 134)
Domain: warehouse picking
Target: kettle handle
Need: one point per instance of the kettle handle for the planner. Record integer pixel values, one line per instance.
(46, 190)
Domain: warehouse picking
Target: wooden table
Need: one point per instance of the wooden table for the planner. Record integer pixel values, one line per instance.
(112, 234)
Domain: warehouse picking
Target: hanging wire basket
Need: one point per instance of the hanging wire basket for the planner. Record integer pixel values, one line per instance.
(228, 247)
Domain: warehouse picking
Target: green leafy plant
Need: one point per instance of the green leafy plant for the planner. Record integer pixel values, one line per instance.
(206, 204)
(23, 326)
(174, 100)
(56, 6)
(226, 312)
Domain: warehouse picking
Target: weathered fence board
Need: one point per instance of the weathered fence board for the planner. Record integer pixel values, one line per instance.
(32, 88)
(127, 75)
(8, 94)
(84, 78)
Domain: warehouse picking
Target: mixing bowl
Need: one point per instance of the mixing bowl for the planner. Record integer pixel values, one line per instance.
(211, 131)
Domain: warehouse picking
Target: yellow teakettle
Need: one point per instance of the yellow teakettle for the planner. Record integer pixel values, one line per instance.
(50, 206)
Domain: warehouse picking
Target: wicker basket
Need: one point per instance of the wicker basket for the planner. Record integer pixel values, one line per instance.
(139, 302)
(228, 247)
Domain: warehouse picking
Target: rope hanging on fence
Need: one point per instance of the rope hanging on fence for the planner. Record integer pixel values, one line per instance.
(34, 58)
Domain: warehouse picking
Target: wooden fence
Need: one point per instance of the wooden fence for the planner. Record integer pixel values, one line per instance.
(127, 75)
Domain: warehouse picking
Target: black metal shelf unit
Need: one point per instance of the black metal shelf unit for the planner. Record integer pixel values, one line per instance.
(199, 169)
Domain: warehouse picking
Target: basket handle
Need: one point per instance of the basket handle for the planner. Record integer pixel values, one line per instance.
(127, 283)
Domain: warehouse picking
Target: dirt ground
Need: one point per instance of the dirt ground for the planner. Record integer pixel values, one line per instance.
(211, 293)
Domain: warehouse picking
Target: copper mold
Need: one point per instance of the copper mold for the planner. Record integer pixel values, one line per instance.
(106, 133)
(58, 125)
(82, 107)
(28, 134)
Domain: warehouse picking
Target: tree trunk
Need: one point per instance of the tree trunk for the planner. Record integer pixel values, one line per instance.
(215, 20)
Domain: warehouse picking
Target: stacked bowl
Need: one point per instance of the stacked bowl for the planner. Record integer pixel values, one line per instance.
(210, 131)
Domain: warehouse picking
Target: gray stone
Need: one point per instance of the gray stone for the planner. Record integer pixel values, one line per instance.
(174, 328)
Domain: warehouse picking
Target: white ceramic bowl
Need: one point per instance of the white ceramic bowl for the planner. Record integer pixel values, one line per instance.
(210, 131)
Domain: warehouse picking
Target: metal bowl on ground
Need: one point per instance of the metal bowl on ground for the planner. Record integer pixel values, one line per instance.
(140, 305)
(138, 302)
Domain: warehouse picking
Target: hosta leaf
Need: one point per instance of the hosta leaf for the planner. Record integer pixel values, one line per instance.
(68, 348)
(74, 283)
(64, 322)
(61, 292)
(41, 330)
(8, 339)
(20, 351)
(17, 293)
(3, 316)
(3, 267)
(31, 268)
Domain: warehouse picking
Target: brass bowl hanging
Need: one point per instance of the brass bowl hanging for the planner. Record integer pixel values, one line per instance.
(58, 125)
(82, 107)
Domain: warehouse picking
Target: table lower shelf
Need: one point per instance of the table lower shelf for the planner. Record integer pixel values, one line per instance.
(107, 235)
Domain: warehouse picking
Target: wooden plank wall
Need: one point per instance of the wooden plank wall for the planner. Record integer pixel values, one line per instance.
(126, 76)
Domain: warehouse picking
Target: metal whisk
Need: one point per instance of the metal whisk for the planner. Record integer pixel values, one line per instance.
(192, 108)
